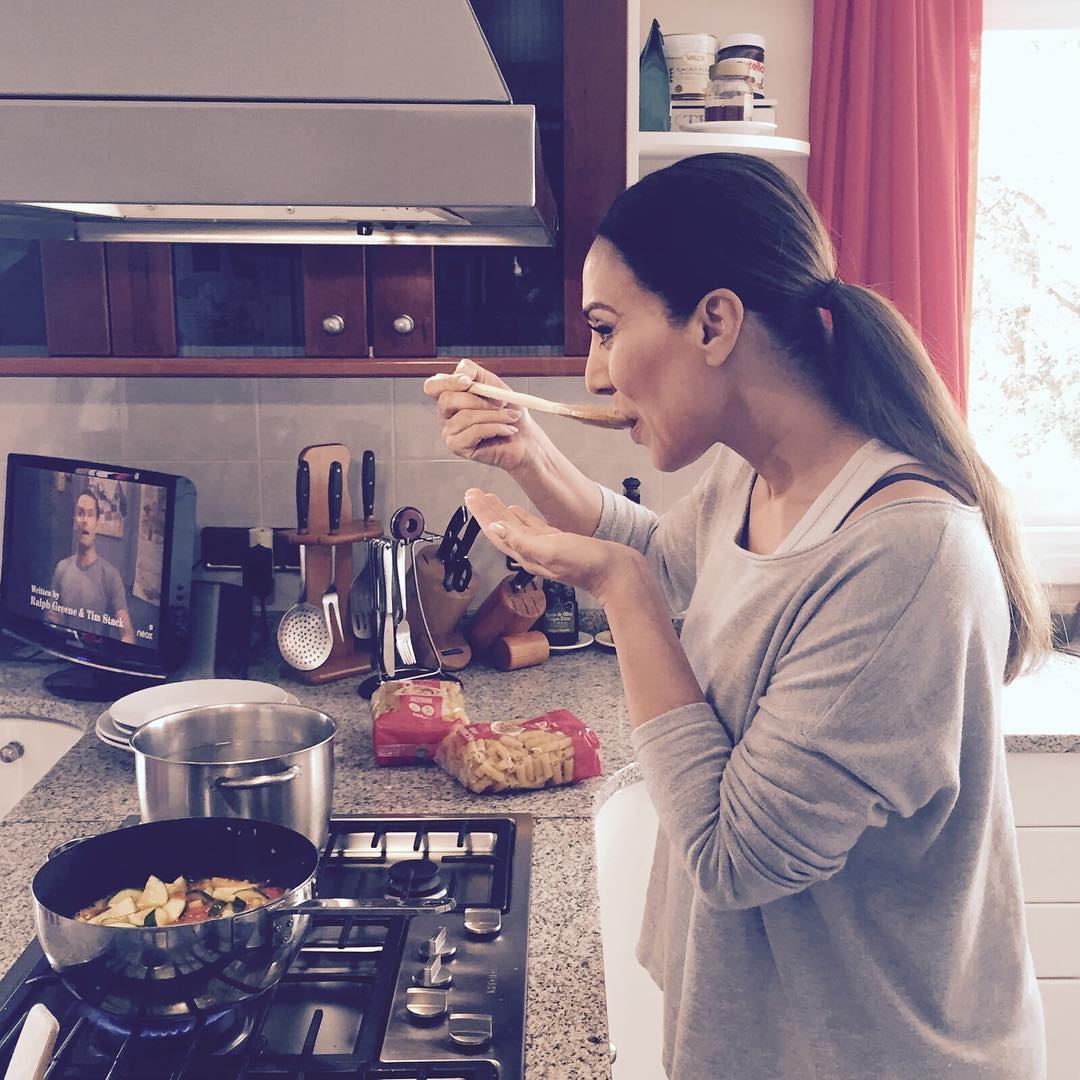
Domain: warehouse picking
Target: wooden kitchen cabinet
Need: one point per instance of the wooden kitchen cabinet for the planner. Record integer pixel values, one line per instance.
(153, 309)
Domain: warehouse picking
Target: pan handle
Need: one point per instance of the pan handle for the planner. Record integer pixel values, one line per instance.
(372, 909)
(231, 783)
(64, 845)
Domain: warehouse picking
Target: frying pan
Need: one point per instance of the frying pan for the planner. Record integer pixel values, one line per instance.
(178, 972)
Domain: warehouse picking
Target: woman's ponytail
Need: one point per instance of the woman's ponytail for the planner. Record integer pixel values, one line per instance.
(883, 381)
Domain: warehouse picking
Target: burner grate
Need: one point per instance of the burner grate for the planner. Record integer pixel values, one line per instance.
(328, 1016)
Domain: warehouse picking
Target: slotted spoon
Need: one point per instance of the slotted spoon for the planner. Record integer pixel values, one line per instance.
(303, 636)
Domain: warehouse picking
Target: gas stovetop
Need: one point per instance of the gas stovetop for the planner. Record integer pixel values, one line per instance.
(424, 998)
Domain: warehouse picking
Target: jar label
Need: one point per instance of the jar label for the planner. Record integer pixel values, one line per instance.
(742, 67)
(689, 73)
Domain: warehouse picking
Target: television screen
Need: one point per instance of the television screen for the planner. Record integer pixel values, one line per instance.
(97, 561)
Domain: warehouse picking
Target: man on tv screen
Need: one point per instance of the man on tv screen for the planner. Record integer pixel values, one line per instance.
(88, 586)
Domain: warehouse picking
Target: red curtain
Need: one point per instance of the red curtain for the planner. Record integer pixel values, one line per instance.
(893, 126)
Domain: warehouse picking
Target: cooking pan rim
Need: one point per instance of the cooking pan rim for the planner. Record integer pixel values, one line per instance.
(160, 720)
(71, 919)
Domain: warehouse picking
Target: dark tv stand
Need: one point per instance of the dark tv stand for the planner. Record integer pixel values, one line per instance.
(76, 682)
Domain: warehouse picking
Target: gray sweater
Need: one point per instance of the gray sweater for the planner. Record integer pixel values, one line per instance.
(835, 890)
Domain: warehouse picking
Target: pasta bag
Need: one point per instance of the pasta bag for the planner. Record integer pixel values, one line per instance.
(549, 751)
(411, 718)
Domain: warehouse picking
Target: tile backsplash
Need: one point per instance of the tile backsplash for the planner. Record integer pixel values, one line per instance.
(238, 440)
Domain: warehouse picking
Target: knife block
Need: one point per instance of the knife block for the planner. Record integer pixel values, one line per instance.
(505, 613)
(443, 610)
(348, 657)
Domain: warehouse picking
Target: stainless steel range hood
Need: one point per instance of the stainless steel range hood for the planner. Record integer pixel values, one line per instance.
(263, 121)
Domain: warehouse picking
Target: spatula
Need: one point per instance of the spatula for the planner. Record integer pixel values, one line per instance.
(586, 414)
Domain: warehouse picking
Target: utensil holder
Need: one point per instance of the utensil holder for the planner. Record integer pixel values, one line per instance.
(424, 646)
(348, 657)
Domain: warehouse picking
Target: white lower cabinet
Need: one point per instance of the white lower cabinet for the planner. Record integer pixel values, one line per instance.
(1061, 1004)
(1054, 937)
(1050, 864)
(1045, 791)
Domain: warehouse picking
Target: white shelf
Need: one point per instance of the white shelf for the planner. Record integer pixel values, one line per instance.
(673, 145)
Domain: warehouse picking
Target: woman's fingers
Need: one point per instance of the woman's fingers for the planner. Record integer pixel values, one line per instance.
(501, 524)
(469, 439)
(438, 385)
(460, 378)
(525, 517)
(463, 419)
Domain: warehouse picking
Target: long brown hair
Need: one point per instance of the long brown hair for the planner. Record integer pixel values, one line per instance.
(737, 222)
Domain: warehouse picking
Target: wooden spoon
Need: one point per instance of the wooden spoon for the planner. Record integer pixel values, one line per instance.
(586, 414)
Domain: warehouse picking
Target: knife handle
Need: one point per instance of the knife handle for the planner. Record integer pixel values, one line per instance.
(334, 491)
(303, 495)
(367, 484)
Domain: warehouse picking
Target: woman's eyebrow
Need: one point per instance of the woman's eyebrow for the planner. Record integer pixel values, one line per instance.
(595, 306)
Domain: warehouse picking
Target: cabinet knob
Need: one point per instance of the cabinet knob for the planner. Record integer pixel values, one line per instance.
(333, 324)
(12, 752)
(404, 324)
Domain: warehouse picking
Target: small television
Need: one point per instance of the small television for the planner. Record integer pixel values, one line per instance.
(97, 569)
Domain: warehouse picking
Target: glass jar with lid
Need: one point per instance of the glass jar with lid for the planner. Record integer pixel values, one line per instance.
(742, 56)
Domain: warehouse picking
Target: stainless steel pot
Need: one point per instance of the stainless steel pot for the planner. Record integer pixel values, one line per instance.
(173, 973)
(266, 762)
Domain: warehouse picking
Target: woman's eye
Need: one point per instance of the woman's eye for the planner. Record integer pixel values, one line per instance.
(603, 331)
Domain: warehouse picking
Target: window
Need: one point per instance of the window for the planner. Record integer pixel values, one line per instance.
(1024, 382)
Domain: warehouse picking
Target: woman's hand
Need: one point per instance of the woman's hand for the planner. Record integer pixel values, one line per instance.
(477, 428)
(582, 561)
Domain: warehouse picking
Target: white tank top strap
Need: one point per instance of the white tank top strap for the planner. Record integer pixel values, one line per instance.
(864, 468)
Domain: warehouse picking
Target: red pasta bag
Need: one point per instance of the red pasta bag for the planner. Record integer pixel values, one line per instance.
(411, 718)
(554, 749)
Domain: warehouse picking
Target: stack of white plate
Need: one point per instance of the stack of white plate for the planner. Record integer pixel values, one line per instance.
(123, 718)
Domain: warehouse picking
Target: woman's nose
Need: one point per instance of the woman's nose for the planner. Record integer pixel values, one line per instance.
(596, 371)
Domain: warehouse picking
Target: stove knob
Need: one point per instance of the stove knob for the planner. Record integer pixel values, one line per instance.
(433, 975)
(483, 922)
(425, 1003)
(436, 946)
(471, 1030)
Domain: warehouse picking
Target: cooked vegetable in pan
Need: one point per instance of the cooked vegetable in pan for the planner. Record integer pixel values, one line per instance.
(181, 901)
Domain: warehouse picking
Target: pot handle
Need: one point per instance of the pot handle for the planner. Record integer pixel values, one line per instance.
(371, 908)
(230, 783)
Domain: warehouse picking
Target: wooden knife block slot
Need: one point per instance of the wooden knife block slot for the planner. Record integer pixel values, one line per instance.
(443, 611)
(348, 657)
(505, 613)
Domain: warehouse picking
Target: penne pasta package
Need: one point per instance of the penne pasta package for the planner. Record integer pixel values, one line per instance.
(551, 750)
(411, 718)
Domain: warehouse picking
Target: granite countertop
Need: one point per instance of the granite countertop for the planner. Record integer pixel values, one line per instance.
(93, 789)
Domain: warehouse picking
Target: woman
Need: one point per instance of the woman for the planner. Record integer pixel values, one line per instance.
(835, 889)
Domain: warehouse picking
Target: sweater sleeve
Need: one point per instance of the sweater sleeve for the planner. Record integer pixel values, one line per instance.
(861, 719)
(668, 541)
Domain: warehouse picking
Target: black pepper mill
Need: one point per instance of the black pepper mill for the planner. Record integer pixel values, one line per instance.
(631, 489)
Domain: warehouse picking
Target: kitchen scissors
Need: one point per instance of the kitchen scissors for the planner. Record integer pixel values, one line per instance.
(453, 552)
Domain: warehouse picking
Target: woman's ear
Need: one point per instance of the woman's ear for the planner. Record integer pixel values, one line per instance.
(720, 316)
